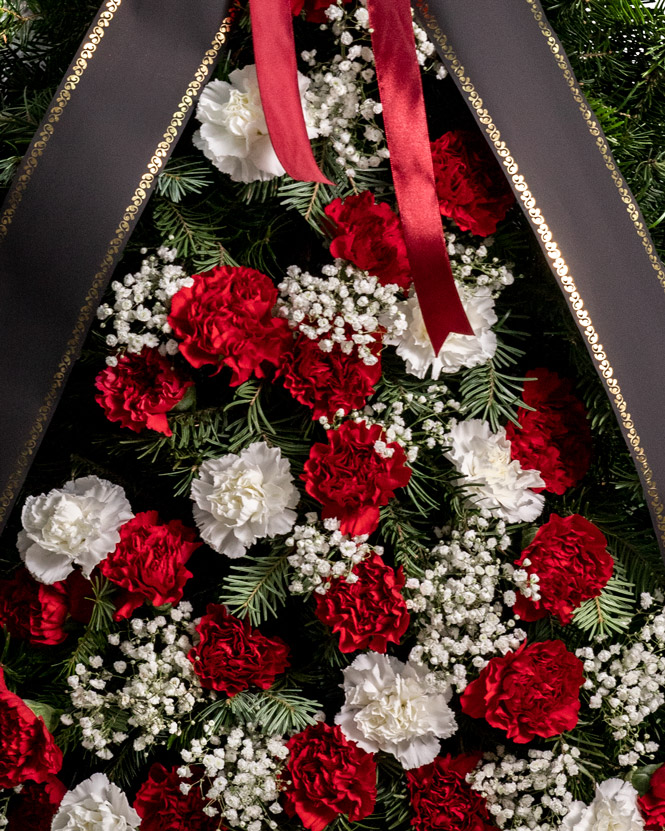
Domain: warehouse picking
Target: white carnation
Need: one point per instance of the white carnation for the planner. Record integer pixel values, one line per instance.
(240, 499)
(391, 706)
(76, 524)
(95, 805)
(490, 477)
(234, 134)
(614, 808)
(415, 347)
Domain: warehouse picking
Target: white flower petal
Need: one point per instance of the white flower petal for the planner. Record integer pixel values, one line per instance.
(76, 524)
(95, 805)
(234, 134)
(491, 478)
(391, 706)
(240, 499)
(458, 351)
(614, 808)
(46, 566)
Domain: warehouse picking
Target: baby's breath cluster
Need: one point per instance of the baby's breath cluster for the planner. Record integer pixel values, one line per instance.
(395, 428)
(345, 306)
(242, 775)
(342, 97)
(141, 306)
(322, 553)
(459, 605)
(147, 693)
(413, 419)
(338, 100)
(531, 794)
(471, 263)
(626, 684)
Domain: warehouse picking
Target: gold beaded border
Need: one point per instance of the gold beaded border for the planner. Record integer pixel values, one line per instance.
(558, 264)
(587, 113)
(100, 279)
(63, 98)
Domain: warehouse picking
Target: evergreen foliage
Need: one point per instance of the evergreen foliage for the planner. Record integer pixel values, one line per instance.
(257, 591)
(611, 611)
(277, 710)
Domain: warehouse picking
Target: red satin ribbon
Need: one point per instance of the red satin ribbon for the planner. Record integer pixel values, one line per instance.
(277, 73)
(405, 123)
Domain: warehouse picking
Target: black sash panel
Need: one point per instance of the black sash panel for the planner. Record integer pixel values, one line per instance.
(518, 83)
(81, 187)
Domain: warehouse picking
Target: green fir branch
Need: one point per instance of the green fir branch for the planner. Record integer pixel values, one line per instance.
(612, 611)
(95, 637)
(636, 549)
(404, 538)
(259, 191)
(196, 232)
(257, 589)
(274, 711)
(489, 392)
(183, 177)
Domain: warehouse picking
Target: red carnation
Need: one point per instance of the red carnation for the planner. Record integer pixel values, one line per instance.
(351, 479)
(141, 390)
(149, 562)
(534, 691)
(370, 236)
(367, 614)
(555, 438)
(570, 556)
(37, 613)
(442, 800)
(27, 749)
(225, 318)
(32, 611)
(329, 776)
(34, 808)
(231, 656)
(652, 804)
(314, 9)
(470, 185)
(328, 381)
(162, 806)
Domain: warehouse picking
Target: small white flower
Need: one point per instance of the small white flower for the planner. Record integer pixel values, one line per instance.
(391, 706)
(240, 499)
(490, 477)
(234, 134)
(95, 805)
(614, 808)
(458, 351)
(76, 524)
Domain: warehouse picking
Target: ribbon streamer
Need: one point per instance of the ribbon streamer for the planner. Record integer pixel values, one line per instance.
(400, 87)
(277, 74)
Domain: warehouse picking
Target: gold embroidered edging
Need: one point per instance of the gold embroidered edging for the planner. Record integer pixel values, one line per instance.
(99, 281)
(63, 98)
(558, 262)
(593, 127)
